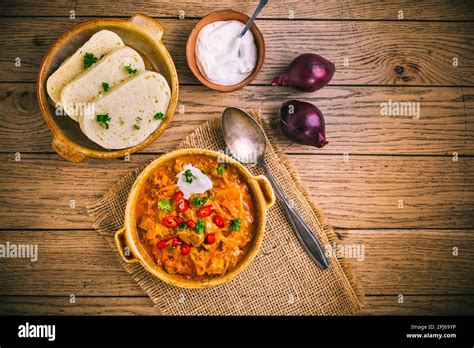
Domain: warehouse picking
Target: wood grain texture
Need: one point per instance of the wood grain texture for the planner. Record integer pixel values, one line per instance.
(363, 192)
(419, 305)
(82, 263)
(386, 53)
(375, 305)
(390, 158)
(446, 122)
(360, 9)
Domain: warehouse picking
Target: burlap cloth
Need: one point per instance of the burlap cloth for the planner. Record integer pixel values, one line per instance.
(281, 280)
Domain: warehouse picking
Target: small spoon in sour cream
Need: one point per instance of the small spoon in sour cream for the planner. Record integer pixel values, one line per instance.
(259, 8)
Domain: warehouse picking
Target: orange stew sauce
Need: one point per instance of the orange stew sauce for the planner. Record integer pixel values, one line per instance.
(205, 235)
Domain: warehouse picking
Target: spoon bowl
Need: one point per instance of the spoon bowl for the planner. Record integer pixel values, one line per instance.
(259, 8)
(244, 137)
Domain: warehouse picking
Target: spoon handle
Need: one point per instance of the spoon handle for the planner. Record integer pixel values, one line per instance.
(259, 8)
(307, 239)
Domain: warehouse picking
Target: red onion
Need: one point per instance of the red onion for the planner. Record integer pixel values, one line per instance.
(307, 72)
(303, 123)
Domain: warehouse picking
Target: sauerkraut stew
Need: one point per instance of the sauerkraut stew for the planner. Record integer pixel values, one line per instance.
(195, 216)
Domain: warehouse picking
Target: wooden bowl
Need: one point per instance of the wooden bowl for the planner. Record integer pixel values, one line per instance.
(225, 15)
(127, 238)
(140, 32)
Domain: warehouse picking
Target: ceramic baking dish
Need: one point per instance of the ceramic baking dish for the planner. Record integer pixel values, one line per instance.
(131, 249)
(140, 32)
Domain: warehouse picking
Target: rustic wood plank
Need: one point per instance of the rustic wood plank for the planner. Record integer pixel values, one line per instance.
(365, 9)
(83, 306)
(385, 53)
(375, 305)
(419, 305)
(399, 257)
(404, 192)
(82, 263)
(362, 192)
(353, 120)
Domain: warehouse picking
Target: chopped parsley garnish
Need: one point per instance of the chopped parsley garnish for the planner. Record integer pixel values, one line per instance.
(170, 248)
(105, 86)
(188, 176)
(220, 169)
(199, 201)
(200, 226)
(235, 225)
(130, 70)
(103, 119)
(182, 226)
(136, 127)
(89, 59)
(159, 116)
(165, 204)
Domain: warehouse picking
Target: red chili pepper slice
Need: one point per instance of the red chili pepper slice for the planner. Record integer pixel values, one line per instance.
(211, 238)
(164, 243)
(219, 221)
(183, 205)
(192, 224)
(185, 249)
(170, 221)
(172, 241)
(207, 210)
(177, 196)
(175, 242)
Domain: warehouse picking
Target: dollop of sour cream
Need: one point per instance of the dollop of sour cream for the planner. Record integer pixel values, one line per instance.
(191, 181)
(222, 57)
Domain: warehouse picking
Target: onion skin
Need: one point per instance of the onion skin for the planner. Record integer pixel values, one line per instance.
(307, 72)
(303, 123)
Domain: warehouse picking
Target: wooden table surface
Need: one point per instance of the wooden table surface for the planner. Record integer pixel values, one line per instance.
(400, 186)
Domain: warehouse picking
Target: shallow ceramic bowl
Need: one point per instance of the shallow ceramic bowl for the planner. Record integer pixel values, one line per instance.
(140, 32)
(225, 15)
(131, 249)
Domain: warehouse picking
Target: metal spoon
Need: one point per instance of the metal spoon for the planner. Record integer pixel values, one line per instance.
(259, 8)
(246, 141)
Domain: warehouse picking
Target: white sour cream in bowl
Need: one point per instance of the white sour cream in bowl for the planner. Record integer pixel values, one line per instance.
(191, 180)
(221, 56)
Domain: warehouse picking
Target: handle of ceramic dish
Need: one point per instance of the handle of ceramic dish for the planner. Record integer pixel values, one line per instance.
(266, 189)
(67, 151)
(122, 246)
(149, 24)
